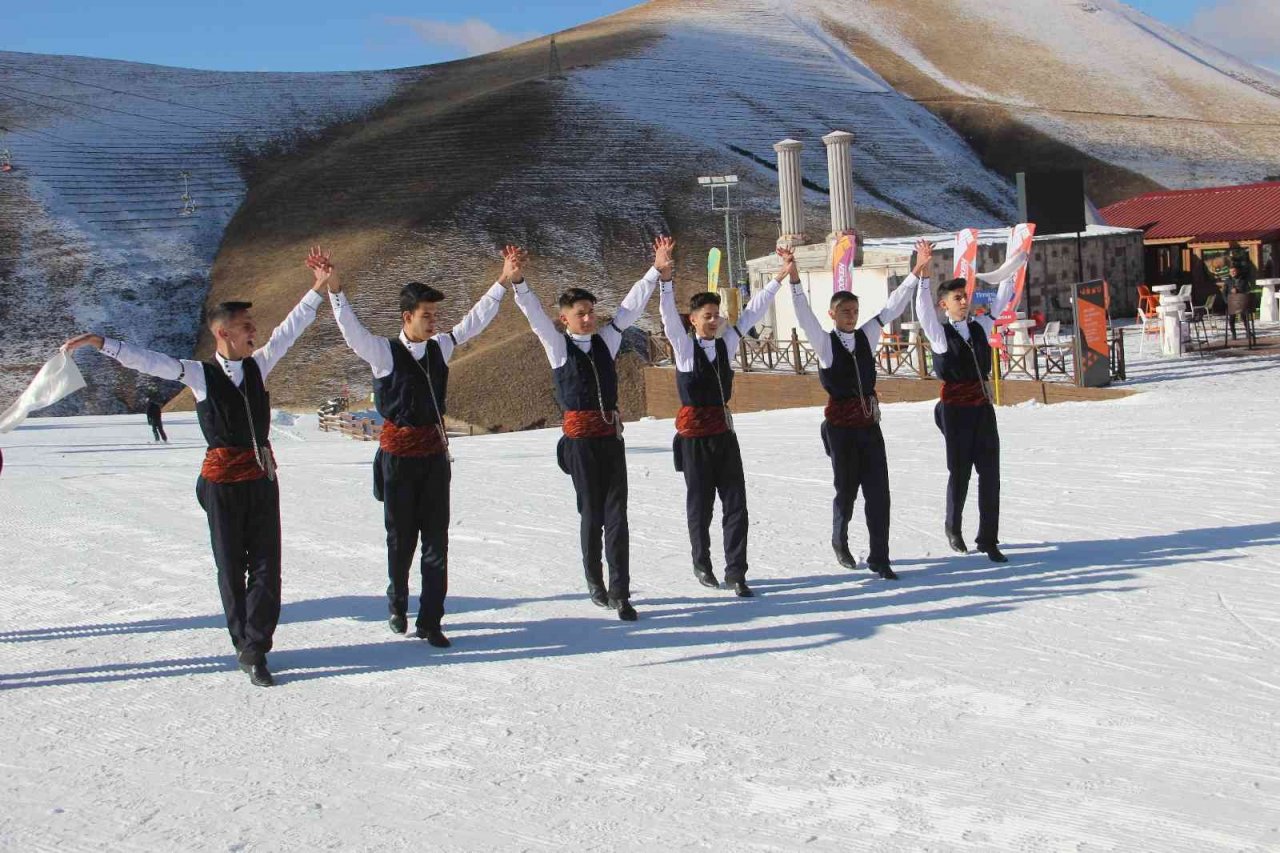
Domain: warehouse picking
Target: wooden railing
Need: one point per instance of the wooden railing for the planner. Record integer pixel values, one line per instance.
(361, 429)
(1040, 361)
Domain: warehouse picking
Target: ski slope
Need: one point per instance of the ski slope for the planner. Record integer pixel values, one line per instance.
(1113, 688)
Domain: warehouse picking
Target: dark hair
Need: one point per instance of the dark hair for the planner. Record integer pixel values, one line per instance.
(575, 294)
(840, 297)
(701, 300)
(415, 293)
(954, 284)
(224, 311)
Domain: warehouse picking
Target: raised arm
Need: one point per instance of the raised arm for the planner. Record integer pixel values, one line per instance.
(632, 306)
(284, 335)
(189, 373)
(926, 310)
(483, 312)
(553, 342)
(372, 349)
(682, 346)
(893, 308)
(755, 308)
(817, 336)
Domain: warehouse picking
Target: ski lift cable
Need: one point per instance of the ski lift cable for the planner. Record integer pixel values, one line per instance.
(128, 94)
(109, 109)
(68, 112)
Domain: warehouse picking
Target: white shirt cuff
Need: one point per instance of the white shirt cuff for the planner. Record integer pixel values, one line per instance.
(653, 275)
(110, 347)
(313, 299)
(497, 291)
(522, 287)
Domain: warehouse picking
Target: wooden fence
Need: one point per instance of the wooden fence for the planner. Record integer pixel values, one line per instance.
(361, 429)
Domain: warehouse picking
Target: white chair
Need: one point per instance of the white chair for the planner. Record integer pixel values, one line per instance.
(1052, 334)
(1148, 326)
(1184, 294)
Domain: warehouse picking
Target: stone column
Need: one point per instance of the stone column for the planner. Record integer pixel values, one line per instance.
(840, 171)
(790, 191)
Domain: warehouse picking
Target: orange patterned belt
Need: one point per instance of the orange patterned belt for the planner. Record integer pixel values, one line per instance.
(701, 421)
(412, 441)
(964, 393)
(853, 411)
(233, 465)
(590, 423)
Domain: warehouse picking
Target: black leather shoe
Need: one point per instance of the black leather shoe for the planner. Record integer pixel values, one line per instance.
(844, 557)
(599, 597)
(399, 624)
(956, 542)
(434, 636)
(706, 577)
(260, 676)
(741, 590)
(883, 570)
(626, 612)
(994, 555)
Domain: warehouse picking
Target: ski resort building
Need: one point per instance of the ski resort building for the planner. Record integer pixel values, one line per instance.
(1057, 260)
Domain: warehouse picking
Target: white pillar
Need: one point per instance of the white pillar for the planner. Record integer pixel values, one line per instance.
(1172, 330)
(840, 171)
(1269, 313)
(790, 191)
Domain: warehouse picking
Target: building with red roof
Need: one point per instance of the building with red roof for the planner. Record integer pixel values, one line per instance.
(1194, 235)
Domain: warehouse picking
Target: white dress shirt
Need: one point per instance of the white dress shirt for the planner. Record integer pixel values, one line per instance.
(375, 350)
(682, 344)
(927, 311)
(872, 327)
(191, 373)
(553, 342)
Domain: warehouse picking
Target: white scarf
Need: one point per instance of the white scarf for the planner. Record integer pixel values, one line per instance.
(57, 379)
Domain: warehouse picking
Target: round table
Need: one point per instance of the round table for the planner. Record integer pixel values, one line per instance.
(1021, 331)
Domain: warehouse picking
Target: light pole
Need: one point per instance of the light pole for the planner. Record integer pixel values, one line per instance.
(722, 201)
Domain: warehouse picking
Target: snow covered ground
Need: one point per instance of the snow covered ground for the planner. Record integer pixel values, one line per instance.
(1113, 688)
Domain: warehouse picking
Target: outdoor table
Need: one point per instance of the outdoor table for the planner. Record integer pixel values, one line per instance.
(1021, 331)
(1270, 310)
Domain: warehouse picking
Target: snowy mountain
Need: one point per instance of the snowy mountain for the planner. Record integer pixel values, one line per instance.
(95, 231)
(947, 100)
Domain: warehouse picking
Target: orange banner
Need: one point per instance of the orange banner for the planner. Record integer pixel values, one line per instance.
(966, 258)
(843, 254)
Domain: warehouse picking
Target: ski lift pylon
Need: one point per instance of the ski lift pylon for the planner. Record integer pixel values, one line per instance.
(188, 203)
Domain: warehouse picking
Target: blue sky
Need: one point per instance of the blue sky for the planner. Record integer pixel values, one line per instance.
(329, 35)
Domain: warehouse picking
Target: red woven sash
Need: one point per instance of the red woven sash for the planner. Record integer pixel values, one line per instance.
(232, 465)
(589, 423)
(415, 441)
(701, 421)
(851, 411)
(963, 394)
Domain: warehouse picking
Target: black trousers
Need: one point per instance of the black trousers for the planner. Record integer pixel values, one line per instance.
(973, 443)
(157, 432)
(858, 462)
(713, 465)
(244, 528)
(415, 506)
(598, 467)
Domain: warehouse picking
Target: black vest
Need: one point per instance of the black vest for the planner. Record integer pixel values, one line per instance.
(223, 416)
(957, 364)
(702, 385)
(403, 396)
(841, 379)
(576, 383)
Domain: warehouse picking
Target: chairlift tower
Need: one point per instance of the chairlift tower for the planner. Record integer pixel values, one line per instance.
(554, 70)
(722, 189)
(188, 203)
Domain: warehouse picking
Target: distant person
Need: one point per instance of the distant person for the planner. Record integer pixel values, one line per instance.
(591, 451)
(237, 485)
(965, 414)
(706, 446)
(411, 469)
(155, 421)
(1235, 282)
(851, 422)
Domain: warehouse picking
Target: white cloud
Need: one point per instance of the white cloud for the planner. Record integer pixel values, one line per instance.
(1243, 28)
(471, 37)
